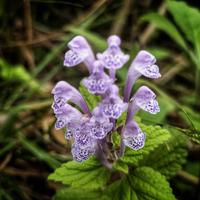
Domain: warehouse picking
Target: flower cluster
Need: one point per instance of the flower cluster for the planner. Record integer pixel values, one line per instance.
(90, 129)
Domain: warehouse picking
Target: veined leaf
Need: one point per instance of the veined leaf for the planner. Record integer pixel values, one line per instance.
(165, 25)
(121, 167)
(142, 183)
(89, 174)
(168, 157)
(91, 100)
(78, 194)
(149, 184)
(155, 135)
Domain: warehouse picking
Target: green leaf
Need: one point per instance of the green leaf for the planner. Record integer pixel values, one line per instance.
(171, 155)
(121, 167)
(120, 190)
(142, 183)
(186, 17)
(165, 25)
(150, 185)
(89, 174)
(192, 119)
(155, 135)
(92, 100)
(78, 194)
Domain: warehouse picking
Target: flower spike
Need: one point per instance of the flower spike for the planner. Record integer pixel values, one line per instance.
(80, 51)
(143, 64)
(91, 132)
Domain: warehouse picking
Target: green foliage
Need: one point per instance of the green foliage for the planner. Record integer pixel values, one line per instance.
(165, 25)
(89, 174)
(168, 157)
(91, 100)
(141, 183)
(191, 16)
(149, 184)
(77, 194)
(155, 135)
(17, 73)
(39, 153)
(121, 167)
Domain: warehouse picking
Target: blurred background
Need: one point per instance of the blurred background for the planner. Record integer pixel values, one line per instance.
(33, 39)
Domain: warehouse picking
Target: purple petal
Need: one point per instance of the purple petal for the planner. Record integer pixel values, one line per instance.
(80, 51)
(98, 82)
(133, 137)
(81, 154)
(99, 127)
(146, 100)
(113, 57)
(60, 123)
(73, 58)
(63, 92)
(143, 64)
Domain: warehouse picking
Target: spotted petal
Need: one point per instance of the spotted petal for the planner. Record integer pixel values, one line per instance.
(113, 57)
(133, 137)
(81, 154)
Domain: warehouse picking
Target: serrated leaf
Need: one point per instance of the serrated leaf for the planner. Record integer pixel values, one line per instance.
(171, 155)
(155, 135)
(78, 194)
(142, 183)
(120, 190)
(165, 25)
(121, 167)
(92, 100)
(88, 174)
(150, 185)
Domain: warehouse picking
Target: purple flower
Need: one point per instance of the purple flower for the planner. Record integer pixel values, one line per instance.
(64, 92)
(143, 64)
(91, 132)
(99, 125)
(112, 105)
(80, 51)
(144, 99)
(65, 115)
(80, 154)
(133, 137)
(98, 82)
(113, 58)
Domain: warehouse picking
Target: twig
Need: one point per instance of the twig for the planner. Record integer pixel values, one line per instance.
(27, 51)
(189, 178)
(123, 13)
(148, 32)
(16, 172)
(6, 161)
